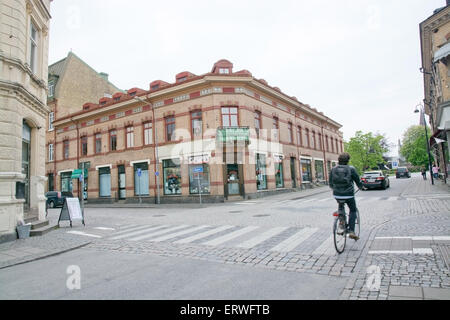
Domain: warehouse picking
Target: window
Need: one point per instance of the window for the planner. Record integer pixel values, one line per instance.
(319, 142)
(66, 149)
(33, 47)
(257, 122)
(148, 133)
(98, 143)
(342, 148)
(170, 129)
(141, 179)
(261, 176)
(51, 182)
(51, 89)
(66, 181)
(279, 182)
(332, 145)
(291, 134)
(51, 118)
(318, 164)
(113, 140)
(308, 142)
(197, 124)
(105, 181)
(337, 146)
(327, 145)
(50, 152)
(275, 128)
(84, 146)
(229, 117)
(130, 137)
(306, 170)
(172, 176)
(313, 140)
(154, 87)
(299, 136)
(199, 181)
(224, 70)
(182, 79)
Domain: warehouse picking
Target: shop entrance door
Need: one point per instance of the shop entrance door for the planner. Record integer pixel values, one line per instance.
(122, 184)
(294, 184)
(233, 179)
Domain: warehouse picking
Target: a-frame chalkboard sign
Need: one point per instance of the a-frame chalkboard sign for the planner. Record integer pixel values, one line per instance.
(71, 210)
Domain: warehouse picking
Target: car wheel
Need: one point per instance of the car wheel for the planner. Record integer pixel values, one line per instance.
(383, 186)
(51, 204)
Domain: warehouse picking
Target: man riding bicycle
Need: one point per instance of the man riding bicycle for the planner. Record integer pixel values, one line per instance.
(341, 181)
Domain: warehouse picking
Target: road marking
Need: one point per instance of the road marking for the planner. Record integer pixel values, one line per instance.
(230, 236)
(262, 237)
(392, 199)
(327, 247)
(422, 251)
(322, 200)
(425, 238)
(136, 232)
(445, 238)
(391, 252)
(203, 234)
(103, 228)
(130, 229)
(293, 241)
(246, 202)
(177, 234)
(157, 233)
(434, 238)
(81, 233)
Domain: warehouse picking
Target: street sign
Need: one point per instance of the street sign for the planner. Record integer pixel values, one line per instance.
(197, 169)
(76, 173)
(139, 172)
(157, 173)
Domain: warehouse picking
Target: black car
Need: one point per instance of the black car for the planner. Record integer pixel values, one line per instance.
(375, 179)
(56, 198)
(402, 172)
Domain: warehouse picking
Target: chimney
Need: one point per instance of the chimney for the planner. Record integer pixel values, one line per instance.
(104, 75)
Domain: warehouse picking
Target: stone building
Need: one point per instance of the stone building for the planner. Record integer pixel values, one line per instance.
(23, 110)
(71, 82)
(219, 135)
(435, 49)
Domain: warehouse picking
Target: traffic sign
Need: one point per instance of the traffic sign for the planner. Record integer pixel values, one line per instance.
(139, 172)
(157, 173)
(198, 169)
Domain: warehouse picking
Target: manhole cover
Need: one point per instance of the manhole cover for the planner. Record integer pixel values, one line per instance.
(262, 215)
(159, 215)
(235, 211)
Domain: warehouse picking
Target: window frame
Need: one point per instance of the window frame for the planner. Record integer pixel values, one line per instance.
(230, 116)
(196, 117)
(66, 149)
(291, 133)
(51, 118)
(33, 47)
(147, 131)
(112, 134)
(96, 140)
(50, 152)
(170, 122)
(129, 137)
(84, 142)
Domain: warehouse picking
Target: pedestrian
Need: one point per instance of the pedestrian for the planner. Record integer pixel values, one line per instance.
(341, 181)
(435, 171)
(424, 173)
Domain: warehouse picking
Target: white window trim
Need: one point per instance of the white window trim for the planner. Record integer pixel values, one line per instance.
(63, 171)
(170, 158)
(103, 166)
(139, 161)
(306, 158)
(51, 153)
(318, 159)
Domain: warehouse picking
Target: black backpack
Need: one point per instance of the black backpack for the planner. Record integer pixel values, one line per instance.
(342, 176)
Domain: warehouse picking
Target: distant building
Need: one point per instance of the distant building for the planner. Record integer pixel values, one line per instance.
(222, 134)
(71, 82)
(23, 111)
(435, 46)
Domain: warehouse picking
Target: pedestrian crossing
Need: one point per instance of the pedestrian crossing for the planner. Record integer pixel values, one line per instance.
(331, 199)
(274, 239)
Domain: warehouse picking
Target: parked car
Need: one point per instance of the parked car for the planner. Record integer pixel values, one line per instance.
(56, 198)
(375, 179)
(402, 172)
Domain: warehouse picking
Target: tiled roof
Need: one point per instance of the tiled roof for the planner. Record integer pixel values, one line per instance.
(57, 68)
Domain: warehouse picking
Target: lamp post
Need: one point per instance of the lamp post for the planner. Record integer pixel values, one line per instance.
(156, 149)
(426, 137)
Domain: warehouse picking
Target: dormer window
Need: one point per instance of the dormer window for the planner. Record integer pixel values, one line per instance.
(182, 79)
(155, 87)
(116, 98)
(132, 93)
(102, 103)
(224, 70)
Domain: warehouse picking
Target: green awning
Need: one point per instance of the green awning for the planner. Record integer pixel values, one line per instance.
(233, 134)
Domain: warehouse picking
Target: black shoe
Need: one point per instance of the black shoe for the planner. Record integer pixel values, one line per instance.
(352, 235)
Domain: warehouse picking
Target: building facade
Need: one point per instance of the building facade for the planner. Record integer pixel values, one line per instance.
(435, 47)
(23, 110)
(71, 82)
(218, 135)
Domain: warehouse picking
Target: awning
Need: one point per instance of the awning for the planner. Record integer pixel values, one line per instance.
(443, 52)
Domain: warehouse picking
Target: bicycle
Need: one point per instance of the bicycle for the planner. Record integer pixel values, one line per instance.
(340, 226)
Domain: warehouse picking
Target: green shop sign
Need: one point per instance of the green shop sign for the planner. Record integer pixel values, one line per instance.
(233, 134)
(77, 173)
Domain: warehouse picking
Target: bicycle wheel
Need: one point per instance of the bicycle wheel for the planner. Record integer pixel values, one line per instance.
(339, 234)
(357, 223)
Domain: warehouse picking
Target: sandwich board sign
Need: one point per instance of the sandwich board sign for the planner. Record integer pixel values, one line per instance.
(71, 210)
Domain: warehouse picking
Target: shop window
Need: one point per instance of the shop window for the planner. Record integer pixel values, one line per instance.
(105, 181)
(172, 176)
(199, 181)
(141, 179)
(51, 182)
(306, 170)
(66, 181)
(318, 165)
(261, 176)
(279, 182)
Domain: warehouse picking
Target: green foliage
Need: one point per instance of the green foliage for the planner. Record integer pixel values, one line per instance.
(414, 146)
(366, 150)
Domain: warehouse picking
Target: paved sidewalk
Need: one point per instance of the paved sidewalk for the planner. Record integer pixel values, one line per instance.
(408, 257)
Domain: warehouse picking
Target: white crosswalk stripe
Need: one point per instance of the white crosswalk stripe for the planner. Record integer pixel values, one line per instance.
(130, 229)
(262, 237)
(295, 240)
(326, 248)
(177, 234)
(157, 233)
(136, 232)
(230, 236)
(204, 234)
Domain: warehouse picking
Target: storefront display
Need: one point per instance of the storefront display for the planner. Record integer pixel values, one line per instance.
(172, 176)
(261, 176)
(199, 177)
(141, 179)
(306, 170)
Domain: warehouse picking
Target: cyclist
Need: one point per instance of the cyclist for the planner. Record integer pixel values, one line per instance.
(341, 181)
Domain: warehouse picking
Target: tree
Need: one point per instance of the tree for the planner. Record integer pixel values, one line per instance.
(414, 146)
(366, 150)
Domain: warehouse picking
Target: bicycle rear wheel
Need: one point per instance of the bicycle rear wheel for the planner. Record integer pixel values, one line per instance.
(339, 234)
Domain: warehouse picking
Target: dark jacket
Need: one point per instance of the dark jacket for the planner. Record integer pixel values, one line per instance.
(346, 189)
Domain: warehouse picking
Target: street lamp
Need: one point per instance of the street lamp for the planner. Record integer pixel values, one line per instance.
(426, 137)
(156, 150)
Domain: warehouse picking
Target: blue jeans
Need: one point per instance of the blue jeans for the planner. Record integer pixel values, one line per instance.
(352, 217)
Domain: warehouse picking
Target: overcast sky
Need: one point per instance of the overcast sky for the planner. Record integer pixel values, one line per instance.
(355, 60)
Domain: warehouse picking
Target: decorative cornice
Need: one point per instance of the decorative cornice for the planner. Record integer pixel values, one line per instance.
(25, 68)
(40, 107)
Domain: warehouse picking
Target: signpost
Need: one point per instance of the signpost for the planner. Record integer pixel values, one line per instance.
(198, 171)
(71, 210)
(139, 173)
